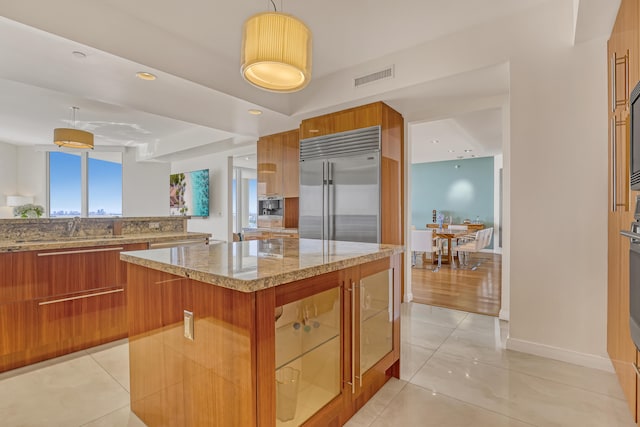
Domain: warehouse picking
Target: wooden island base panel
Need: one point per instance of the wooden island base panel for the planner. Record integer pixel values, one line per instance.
(276, 332)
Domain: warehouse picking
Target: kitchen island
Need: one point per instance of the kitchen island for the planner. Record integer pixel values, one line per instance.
(269, 332)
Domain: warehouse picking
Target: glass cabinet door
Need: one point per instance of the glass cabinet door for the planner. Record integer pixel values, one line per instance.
(376, 318)
(308, 356)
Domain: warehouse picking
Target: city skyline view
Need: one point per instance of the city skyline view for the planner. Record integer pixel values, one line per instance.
(104, 186)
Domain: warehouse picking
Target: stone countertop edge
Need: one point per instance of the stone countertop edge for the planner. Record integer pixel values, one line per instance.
(270, 281)
(13, 246)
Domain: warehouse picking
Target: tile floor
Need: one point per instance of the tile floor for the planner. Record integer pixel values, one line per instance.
(455, 372)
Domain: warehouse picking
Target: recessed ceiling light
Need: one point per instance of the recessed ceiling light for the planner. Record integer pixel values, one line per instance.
(468, 151)
(452, 151)
(435, 141)
(145, 76)
(246, 158)
(78, 54)
(255, 111)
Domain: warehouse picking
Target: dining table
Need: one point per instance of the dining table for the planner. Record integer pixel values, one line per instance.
(442, 234)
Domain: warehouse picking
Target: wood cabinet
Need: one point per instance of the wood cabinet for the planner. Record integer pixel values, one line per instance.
(392, 157)
(341, 121)
(278, 164)
(311, 352)
(375, 304)
(59, 301)
(278, 175)
(291, 164)
(623, 50)
(270, 165)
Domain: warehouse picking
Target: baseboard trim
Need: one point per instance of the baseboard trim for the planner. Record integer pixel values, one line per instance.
(408, 297)
(561, 354)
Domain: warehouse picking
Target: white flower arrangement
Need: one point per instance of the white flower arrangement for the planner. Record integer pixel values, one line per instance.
(28, 211)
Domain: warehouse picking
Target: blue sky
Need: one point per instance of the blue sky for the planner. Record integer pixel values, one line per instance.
(105, 184)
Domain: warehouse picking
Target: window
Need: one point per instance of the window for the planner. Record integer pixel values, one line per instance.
(244, 193)
(65, 184)
(85, 184)
(105, 184)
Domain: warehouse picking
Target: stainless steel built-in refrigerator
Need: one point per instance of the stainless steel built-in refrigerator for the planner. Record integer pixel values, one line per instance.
(340, 186)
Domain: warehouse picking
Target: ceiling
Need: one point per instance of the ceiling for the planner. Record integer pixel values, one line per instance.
(464, 136)
(199, 102)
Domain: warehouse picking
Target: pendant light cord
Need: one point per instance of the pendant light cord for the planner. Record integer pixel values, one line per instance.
(274, 6)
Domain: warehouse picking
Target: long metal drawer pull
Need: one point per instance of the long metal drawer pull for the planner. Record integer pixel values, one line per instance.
(97, 294)
(614, 165)
(84, 251)
(627, 60)
(353, 338)
(613, 83)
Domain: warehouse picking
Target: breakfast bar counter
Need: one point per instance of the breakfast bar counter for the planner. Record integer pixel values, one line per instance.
(249, 266)
(272, 332)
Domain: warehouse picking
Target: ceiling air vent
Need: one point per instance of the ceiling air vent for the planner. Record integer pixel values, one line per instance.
(387, 73)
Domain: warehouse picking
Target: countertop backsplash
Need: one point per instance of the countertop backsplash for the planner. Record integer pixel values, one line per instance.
(30, 229)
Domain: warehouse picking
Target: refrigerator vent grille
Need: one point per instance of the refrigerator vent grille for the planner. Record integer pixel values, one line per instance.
(341, 144)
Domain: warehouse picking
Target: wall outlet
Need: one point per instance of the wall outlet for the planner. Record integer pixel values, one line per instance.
(154, 225)
(188, 325)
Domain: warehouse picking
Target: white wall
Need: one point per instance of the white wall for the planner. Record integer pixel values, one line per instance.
(145, 185)
(559, 203)
(218, 221)
(8, 177)
(32, 174)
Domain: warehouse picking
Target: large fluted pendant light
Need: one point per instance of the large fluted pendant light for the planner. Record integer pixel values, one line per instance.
(72, 137)
(276, 52)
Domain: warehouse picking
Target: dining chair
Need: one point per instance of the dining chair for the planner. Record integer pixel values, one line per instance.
(488, 237)
(474, 245)
(457, 241)
(422, 241)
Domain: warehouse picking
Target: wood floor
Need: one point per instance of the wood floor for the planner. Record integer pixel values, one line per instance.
(461, 289)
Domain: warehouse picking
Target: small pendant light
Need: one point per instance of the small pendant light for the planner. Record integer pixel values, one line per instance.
(72, 137)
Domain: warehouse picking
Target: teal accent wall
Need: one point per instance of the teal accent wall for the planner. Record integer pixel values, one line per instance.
(464, 193)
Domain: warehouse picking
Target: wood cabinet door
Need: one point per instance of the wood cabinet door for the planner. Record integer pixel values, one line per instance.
(270, 165)
(291, 163)
(375, 316)
(623, 71)
(317, 126)
(623, 50)
(301, 355)
(341, 121)
(619, 151)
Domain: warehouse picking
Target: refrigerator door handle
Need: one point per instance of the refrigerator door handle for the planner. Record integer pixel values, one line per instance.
(329, 205)
(324, 199)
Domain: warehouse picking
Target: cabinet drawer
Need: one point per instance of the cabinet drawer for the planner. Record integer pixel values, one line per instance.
(81, 320)
(16, 321)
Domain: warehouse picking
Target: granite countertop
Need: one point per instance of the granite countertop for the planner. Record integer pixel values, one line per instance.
(249, 266)
(76, 242)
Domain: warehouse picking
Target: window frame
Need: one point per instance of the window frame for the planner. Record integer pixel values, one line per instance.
(84, 176)
(237, 177)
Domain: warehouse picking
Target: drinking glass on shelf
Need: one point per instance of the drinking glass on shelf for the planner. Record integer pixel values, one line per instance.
(287, 380)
